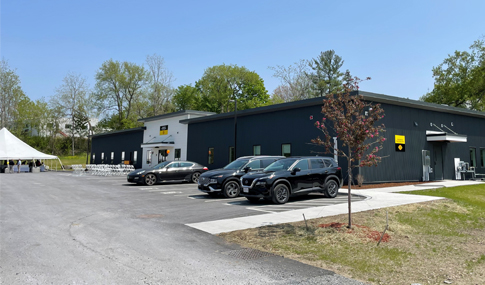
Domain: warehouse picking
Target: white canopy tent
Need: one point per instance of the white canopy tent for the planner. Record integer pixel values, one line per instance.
(13, 148)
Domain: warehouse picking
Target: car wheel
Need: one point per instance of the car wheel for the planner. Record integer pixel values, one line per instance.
(331, 189)
(231, 189)
(150, 179)
(281, 194)
(195, 177)
(252, 199)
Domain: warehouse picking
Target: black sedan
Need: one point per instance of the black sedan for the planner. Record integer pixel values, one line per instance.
(168, 171)
(294, 176)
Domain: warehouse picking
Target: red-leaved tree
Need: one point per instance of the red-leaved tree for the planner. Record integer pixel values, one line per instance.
(354, 122)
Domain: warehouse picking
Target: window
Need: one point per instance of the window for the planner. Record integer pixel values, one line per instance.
(211, 155)
(178, 152)
(266, 162)
(255, 164)
(149, 156)
(302, 164)
(317, 163)
(174, 165)
(473, 162)
(102, 157)
(186, 164)
(94, 159)
(329, 163)
(122, 156)
(256, 150)
(286, 149)
(135, 156)
(482, 157)
(232, 154)
(112, 156)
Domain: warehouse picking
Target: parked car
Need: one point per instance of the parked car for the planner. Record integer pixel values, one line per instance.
(168, 171)
(226, 180)
(293, 176)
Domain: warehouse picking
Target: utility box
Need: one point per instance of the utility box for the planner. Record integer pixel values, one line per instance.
(426, 158)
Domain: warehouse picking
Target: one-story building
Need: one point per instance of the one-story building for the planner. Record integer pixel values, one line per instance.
(161, 138)
(433, 137)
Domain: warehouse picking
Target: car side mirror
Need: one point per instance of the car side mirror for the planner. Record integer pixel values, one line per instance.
(247, 169)
(295, 170)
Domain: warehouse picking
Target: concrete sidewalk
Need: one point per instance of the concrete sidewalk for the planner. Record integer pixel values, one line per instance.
(376, 198)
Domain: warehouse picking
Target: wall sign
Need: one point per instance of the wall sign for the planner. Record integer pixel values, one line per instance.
(164, 130)
(400, 142)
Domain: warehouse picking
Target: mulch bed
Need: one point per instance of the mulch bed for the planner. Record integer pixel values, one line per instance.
(367, 232)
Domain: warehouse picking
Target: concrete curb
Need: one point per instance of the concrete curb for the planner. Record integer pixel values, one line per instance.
(375, 199)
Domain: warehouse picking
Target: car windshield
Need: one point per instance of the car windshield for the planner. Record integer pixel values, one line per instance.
(161, 165)
(236, 164)
(282, 164)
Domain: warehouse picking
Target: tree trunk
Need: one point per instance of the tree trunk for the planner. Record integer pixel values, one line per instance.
(349, 171)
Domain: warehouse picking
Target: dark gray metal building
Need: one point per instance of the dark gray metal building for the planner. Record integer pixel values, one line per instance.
(117, 147)
(434, 137)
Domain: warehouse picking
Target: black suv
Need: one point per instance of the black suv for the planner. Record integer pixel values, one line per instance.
(293, 176)
(226, 180)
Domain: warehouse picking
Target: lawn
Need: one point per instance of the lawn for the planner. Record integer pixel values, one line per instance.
(66, 161)
(429, 243)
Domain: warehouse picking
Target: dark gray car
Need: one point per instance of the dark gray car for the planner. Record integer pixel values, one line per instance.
(226, 180)
(168, 171)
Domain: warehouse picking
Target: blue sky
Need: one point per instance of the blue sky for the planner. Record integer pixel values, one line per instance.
(397, 43)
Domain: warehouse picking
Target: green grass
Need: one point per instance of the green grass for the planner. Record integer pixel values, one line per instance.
(472, 195)
(67, 160)
(433, 240)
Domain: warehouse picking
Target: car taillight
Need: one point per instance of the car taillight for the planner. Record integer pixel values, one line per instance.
(339, 168)
(205, 168)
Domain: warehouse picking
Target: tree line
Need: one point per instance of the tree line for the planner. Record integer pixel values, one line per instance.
(125, 92)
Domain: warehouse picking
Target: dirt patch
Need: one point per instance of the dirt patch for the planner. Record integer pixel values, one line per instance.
(365, 232)
(383, 185)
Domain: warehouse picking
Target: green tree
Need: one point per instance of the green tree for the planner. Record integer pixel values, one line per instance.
(326, 75)
(222, 83)
(186, 98)
(359, 135)
(71, 99)
(11, 99)
(460, 79)
(119, 87)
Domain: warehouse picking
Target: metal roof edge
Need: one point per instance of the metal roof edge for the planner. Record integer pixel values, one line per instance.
(120, 132)
(176, 114)
(258, 110)
(382, 98)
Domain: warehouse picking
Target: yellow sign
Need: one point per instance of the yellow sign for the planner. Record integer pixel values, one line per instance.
(400, 139)
(400, 147)
(164, 130)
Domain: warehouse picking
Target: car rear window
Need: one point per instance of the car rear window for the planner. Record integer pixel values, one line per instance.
(328, 163)
(317, 163)
(266, 162)
(255, 164)
(186, 164)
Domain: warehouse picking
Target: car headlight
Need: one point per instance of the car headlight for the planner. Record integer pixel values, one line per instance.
(213, 179)
(140, 172)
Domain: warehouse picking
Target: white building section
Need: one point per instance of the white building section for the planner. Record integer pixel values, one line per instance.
(165, 138)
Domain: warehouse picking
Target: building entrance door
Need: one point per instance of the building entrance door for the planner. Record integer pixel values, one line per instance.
(438, 162)
(162, 155)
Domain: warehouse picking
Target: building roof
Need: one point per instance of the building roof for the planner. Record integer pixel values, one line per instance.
(176, 114)
(119, 132)
(368, 96)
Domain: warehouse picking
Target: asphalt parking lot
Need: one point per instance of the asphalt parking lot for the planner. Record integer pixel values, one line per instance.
(59, 228)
